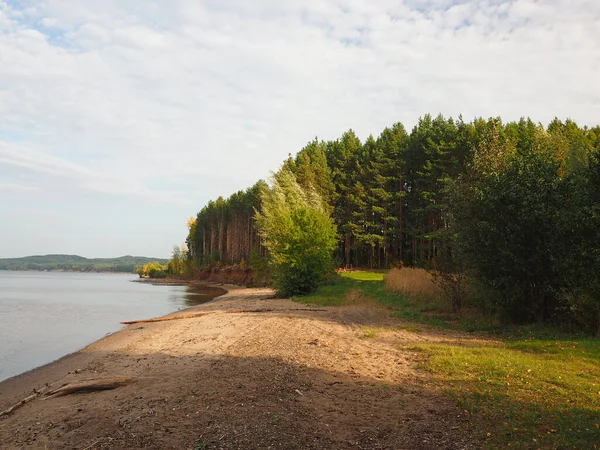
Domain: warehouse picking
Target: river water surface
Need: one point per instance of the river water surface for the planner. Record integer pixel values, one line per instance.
(46, 315)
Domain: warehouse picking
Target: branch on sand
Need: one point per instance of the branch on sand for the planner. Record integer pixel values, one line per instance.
(94, 385)
(6, 412)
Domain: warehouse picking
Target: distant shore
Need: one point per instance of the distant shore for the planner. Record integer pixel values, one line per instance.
(67, 271)
(76, 263)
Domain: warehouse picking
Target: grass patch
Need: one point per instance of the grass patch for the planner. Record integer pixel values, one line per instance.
(368, 335)
(334, 294)
(370, 286)
(535, 386)
(410, 329)
(364, 276)
(422, 306)
(525, 394)
(372, 332)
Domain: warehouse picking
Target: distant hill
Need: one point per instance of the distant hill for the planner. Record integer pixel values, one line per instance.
(76, 263)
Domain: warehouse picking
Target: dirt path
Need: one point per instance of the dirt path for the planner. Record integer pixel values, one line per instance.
(282, 378)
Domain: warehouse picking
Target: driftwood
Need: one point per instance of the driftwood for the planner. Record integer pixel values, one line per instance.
(237, 311)
(101, 384)
(164, 319)
(19, 404)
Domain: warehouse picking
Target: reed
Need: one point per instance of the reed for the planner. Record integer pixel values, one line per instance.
(414, 283)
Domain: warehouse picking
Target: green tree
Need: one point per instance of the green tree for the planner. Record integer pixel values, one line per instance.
(177, 263)
(298, 233)
(343, 160)
(506, 216)
(579, 239)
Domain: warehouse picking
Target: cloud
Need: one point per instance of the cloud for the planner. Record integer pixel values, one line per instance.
(186, 100)
(63, 170)
(12, 187)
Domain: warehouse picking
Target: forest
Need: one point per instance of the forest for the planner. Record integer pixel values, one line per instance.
(514, 205)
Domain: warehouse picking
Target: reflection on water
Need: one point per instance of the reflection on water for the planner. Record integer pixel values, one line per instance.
(46, 315)
(194, 295)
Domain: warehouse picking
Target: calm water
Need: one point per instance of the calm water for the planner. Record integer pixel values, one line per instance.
(46, 315)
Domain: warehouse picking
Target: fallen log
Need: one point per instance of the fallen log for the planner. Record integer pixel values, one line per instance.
(94, 385)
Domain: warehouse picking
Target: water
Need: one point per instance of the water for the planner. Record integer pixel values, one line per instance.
(46, 315)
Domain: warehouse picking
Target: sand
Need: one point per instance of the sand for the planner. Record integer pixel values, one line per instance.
(257, 372)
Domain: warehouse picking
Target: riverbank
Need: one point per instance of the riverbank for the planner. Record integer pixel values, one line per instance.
(247, 371)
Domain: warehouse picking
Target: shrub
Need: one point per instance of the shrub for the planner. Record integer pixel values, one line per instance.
(260, 269)
(153, 270)
(454, 286)
(299, 234)
(505, 223)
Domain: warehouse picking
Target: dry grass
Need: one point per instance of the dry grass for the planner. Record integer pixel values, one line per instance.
(413, 283)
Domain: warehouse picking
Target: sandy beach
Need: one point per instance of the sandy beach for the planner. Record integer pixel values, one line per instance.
(246, 371)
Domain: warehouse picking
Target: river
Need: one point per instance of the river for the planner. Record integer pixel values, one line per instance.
(46, 315)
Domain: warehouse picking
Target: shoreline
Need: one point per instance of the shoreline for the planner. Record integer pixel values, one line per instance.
(248, 371)
(217, 290)
(170, 282)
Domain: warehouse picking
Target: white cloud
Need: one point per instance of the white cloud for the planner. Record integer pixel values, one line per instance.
(12, 187)
(84, 177)
(211, 96)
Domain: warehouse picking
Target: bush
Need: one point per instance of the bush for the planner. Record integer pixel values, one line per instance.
(506, 222)
(153, 270)
(260, 268)
(454, 286)
(299, 234)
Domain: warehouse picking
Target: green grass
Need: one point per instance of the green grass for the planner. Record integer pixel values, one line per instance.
(532, 386)
(373, 332)
(329, 295)
(370, 285)
(364, 276)
(525, 394)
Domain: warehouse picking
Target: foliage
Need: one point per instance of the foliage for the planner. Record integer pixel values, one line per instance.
(528, 231)
(298, 233)
(390, 196)
(506, 224)
(224, 231)
(179, 262)
(153, 270)
(579, 264)
(260, 267)
(512, 205)
(454, 286)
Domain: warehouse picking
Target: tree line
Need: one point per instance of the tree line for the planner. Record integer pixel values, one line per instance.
(388, 196)
(75, 263)
(516, 203)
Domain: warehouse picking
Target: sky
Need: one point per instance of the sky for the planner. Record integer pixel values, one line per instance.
(119, 119)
